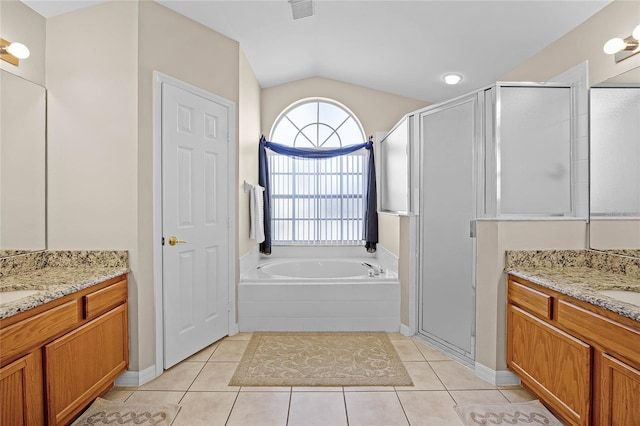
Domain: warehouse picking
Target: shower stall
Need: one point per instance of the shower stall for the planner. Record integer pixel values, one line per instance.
(504, 152)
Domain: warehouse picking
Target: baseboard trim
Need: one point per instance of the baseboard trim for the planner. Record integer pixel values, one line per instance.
(405, 330)
(234, 329)
(498, 378)
(136, 378)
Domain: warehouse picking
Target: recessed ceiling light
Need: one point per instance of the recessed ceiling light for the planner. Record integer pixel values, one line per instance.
(452, 78)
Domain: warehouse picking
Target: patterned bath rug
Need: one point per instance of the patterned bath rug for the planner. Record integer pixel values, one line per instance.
(521, 413)
(105, 412)
(320, 359)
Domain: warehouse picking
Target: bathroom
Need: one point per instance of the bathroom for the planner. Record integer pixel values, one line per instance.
(100, 192)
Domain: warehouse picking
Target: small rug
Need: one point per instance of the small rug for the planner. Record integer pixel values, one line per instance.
(522, 413)
(320, 359)
(103, 412)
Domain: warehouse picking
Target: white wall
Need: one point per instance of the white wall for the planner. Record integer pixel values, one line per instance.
(92, 128)
(248, 136)
(92, 135)
(618, 233)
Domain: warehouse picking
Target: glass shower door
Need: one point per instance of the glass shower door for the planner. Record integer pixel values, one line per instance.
(447, 289)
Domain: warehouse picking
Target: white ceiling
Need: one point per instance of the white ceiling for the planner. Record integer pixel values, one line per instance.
(401, 47)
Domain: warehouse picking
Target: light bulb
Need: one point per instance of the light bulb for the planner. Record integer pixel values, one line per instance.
(614, 45)
(636, 33)
(452, 78)
(18, 50)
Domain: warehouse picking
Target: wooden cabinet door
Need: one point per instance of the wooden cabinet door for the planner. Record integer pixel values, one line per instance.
(619, 393)
(21, 397)
(83, 364)
(553, 364)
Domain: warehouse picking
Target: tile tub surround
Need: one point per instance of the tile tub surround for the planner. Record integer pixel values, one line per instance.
(580, 274)
(55, 274)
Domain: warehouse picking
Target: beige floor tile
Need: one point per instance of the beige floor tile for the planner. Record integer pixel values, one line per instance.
(317, 409)
(156, 397)
(374, 409)
(429, 408)
(478, 397)
(368, 388)
(240, 336)
(229, 351)
(178, 377)
(265, 389)
(116, 394)
(518, 395)
(215, 376)
(205, 408)
(260, 409)
(431, 354)
(407, 350)
(316, 389)
(423, 377)
(204, 354)
(397, 336)
(455, 376)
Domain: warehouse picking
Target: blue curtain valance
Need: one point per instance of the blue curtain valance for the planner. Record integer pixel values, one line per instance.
(371, 209)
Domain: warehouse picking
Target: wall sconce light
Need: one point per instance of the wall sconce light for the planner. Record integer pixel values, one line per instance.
(623, 49)
(13, 52)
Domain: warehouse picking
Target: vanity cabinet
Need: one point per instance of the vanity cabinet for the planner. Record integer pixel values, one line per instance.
(551, 363)
(581, 360)
(58, 357)
(21, 392)
(618, 392)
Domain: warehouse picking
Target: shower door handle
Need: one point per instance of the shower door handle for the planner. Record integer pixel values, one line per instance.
(472, 229)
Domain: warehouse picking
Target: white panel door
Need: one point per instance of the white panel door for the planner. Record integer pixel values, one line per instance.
(447, 307)
(195, 212)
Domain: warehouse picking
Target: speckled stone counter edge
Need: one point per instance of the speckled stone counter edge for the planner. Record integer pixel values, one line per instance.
(30, 262)
(603, 261)
(55, 274)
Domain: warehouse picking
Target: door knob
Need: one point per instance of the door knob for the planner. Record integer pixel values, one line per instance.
(173, 241)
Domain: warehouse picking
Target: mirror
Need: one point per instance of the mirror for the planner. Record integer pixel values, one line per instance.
(22, 165)
(614, 139)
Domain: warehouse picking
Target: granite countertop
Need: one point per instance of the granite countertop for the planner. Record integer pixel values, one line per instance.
(583, 283)
(55, 274)
(51, 284)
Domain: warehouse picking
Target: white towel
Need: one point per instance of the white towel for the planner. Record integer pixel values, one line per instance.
(256, 210)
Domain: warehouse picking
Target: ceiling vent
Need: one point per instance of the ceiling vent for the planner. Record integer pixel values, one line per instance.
(301, 8)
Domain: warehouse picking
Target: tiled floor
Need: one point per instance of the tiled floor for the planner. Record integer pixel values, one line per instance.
(199, 385)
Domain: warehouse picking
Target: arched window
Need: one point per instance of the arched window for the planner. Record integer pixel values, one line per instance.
(317, 123)
(317, 201)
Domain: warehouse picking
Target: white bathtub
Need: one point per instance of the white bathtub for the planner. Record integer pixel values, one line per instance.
(318, 294)
(323, 269)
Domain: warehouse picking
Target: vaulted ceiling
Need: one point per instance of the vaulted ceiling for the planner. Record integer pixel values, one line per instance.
(401, 47)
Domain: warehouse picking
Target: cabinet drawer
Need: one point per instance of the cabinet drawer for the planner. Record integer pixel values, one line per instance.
(534, 301)
(597, 328)
(102, 300)
(26, 335)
